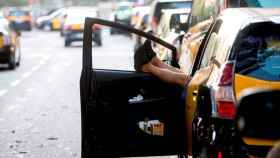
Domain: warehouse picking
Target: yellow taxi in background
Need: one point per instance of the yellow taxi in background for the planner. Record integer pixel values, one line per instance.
(9, 44)
(74, 25)
(20, 19)
(241, 51)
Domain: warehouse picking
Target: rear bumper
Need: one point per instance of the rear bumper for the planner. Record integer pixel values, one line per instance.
(72, 36)
(26, 25)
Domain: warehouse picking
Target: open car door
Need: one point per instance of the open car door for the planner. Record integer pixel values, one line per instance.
(126, 113)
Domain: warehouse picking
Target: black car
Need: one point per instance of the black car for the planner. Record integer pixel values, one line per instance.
(9, 45)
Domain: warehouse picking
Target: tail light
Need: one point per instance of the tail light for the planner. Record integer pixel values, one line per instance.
(67, 27)
(223, 92)
(154, 22)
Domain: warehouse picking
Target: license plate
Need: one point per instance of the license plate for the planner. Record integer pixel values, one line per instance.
(79, 35)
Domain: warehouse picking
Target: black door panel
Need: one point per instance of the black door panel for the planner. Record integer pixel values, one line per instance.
(115, 114)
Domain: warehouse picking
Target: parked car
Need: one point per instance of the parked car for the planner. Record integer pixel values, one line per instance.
(159, 5)
(52, 21)
(74, 25)
(9, 44)
(122, 14)
(20, 19)
(143, 25)
(137, 13)
(227, 64)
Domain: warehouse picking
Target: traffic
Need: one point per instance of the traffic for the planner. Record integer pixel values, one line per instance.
(181, 78)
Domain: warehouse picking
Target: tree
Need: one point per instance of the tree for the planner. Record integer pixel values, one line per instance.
(5, 3)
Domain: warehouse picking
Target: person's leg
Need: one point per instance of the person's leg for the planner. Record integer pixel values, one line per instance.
(166, 74)
(157, 62)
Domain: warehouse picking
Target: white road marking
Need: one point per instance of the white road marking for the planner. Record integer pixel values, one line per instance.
(67, 64)
(35, 68)
(15, 83)
(3, 92)
(26, 75)
(42, 62)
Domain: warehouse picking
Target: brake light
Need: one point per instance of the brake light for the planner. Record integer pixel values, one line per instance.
(67, 27)
(154, 23)
(224, 95)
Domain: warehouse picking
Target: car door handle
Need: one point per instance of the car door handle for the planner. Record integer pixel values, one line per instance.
(195, 93)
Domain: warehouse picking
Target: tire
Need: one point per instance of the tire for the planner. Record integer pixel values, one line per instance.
(18, 61)
(67, 43)
(47, 27)
(112, 31)
(99, 42)
(12, 63)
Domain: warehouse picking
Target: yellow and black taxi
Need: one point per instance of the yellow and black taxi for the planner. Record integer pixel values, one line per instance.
(240, 52)
(20, 19)
(74, 25)
(9, 44)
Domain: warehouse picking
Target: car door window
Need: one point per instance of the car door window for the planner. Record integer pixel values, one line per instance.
(210, 48)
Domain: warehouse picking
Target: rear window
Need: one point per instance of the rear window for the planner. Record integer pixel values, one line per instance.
(258, 53)
(19, 13)
(170, 5)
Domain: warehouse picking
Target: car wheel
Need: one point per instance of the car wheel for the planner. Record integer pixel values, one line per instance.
(18, 61)
(201, 138)
(67, 43)
(99, 42)
(12, 62)
(47, 27)
(112, 32)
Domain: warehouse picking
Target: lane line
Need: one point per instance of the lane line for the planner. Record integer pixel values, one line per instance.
(15, 83)
(35, 68)
(26, 75)
(42, 62)
(3, 92)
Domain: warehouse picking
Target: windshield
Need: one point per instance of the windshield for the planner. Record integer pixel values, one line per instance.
(263, 3)
(259, 53)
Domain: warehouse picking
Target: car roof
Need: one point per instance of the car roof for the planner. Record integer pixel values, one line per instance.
(235, 19)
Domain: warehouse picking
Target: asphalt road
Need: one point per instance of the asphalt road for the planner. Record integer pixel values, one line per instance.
(40, 101)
